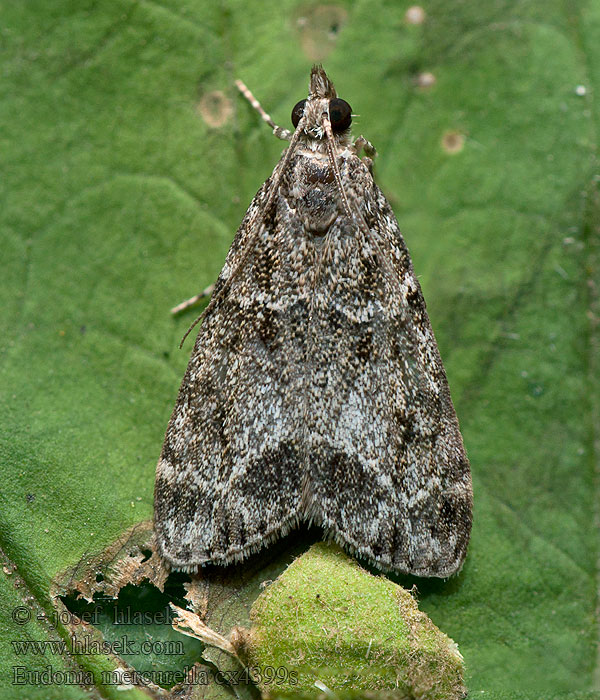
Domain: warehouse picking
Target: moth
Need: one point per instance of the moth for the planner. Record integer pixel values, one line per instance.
(315, 392)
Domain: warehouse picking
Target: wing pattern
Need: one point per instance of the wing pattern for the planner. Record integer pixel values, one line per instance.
(316, 392)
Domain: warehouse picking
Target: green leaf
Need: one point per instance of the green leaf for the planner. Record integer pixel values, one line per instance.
(325, 620)
(119, 200)
(24, 627)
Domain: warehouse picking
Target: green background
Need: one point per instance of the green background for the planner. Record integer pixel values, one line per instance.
(118, 200)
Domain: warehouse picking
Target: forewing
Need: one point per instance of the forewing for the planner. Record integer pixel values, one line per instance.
(229, 476)
(389, 477)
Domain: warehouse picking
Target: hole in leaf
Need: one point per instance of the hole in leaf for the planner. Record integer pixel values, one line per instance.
(215, 108)
(137, 627)
(415, 15)
(318, 28)
(453, 142)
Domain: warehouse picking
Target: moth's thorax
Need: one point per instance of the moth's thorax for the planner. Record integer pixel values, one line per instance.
(314, 193)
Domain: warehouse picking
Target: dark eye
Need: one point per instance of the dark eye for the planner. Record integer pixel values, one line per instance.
(340, 114)
(297, 112)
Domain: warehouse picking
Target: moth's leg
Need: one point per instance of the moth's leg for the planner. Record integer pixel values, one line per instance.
(193, 300)
(361, 143)
(283, 134)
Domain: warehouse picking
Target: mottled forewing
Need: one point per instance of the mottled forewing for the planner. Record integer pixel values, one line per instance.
(388, 473)
(229, 476)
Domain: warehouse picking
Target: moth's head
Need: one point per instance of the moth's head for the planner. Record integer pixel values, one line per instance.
(323, 102)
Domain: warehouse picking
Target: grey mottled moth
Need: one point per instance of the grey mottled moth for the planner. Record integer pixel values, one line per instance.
(315, 391)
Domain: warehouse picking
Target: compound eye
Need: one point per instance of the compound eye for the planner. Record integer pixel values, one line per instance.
(297, 113)
(340, 114)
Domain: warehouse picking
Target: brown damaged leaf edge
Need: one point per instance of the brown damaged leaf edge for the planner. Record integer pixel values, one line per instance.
(131, 559)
